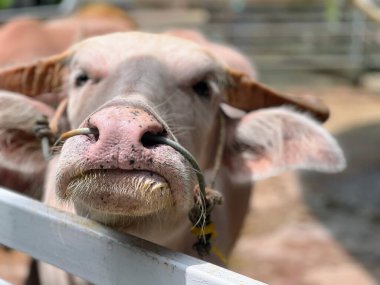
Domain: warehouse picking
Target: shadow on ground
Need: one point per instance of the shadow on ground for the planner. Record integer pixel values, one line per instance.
(348, 203)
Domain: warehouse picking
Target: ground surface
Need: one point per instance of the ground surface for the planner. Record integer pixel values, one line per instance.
(310, 229)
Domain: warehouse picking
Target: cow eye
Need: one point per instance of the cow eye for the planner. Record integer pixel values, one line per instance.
(81, 79)
(202, 89)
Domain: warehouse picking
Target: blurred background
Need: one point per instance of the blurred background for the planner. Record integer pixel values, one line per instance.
(303, 228)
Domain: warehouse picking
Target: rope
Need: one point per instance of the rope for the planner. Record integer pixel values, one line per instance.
(185, 153)
(219, 149)
(54, 122)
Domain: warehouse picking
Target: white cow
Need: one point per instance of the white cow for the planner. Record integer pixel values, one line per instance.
(127, 85)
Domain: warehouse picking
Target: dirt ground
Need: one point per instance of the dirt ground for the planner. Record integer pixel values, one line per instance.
(309, 229)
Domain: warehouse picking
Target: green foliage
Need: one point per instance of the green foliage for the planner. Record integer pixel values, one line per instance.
(332, 10)
(5, 4)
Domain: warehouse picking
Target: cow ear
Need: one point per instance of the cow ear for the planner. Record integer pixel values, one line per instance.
(41, 77)
(244, 93)
(21, 161)
(268, 141)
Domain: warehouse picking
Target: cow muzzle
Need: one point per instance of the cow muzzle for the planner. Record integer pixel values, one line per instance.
(116, 170)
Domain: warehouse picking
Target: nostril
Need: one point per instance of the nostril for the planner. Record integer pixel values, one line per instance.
(150, 140)
(94, 133)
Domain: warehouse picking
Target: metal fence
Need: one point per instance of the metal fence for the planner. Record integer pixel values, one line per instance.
(276, 36)
(96, 253)
(281, 38)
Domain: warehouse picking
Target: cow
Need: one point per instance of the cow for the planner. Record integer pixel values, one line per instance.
(25, 39)
(129, 86)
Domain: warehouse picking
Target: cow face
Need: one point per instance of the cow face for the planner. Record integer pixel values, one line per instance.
(166, 87)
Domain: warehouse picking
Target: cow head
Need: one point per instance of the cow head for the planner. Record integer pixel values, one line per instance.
(127, 85)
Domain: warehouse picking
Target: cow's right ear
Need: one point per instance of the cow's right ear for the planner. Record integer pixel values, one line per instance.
(45, 76)
(21, 159)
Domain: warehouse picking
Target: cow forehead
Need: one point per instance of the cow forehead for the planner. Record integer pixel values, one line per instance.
(111, 49)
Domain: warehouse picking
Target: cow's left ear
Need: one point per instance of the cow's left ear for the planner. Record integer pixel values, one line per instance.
(243, 92)
(265, 142)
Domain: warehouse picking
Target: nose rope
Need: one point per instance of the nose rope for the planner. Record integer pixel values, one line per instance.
(204, 202)
(47, 131)
(219, 149)
(43, 132)
(76, 132)
(54, 121)
(185, 153)
(200, 215)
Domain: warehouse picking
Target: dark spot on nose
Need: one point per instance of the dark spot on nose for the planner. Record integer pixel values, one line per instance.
(101, 166)
(150, 160)
(131, 161)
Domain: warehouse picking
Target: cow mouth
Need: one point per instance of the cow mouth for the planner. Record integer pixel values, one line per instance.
(132, 193)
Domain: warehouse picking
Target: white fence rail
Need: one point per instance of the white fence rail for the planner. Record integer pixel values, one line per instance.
(96, 253)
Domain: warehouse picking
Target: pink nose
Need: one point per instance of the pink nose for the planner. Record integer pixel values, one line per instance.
(120, 134)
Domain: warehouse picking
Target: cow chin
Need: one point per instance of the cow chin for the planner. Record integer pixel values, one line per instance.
(106, 195)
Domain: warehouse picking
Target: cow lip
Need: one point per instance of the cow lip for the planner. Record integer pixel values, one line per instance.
(81, 174)
(99, 193)
(121, 170)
